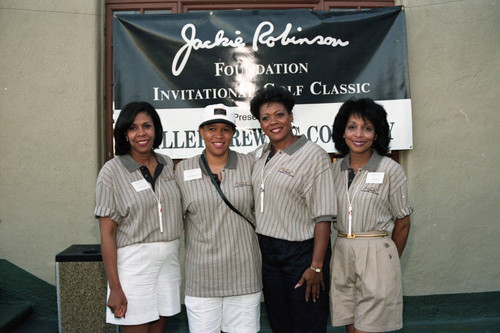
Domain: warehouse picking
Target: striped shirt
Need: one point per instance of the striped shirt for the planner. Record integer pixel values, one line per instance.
(136, 211)
(376, 204)
(298, 191)
(222, 251)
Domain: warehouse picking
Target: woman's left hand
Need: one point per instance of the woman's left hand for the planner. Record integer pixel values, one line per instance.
(314, 284)
(314, 280)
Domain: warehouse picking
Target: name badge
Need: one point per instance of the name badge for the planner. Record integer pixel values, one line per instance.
(192, 174)
(375, 177)
(141, 185)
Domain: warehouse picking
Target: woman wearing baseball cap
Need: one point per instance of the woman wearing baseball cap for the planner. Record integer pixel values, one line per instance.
(223, 260)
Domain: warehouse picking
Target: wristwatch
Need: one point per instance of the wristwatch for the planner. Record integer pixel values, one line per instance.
(317, 270)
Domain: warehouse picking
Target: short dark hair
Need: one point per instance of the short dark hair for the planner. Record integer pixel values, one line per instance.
(271, 94)
(125, 120)
(366, 109)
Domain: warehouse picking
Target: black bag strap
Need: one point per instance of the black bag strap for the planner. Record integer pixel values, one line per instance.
(214, 181)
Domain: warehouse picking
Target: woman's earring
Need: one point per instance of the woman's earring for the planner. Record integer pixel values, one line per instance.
(126, 138)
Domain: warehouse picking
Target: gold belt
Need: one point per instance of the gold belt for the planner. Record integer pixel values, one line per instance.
(363, 235)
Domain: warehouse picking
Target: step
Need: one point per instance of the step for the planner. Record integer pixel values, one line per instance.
(14, 314)
(38, 326)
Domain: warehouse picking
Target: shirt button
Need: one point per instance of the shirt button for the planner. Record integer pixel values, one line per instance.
(386, 245)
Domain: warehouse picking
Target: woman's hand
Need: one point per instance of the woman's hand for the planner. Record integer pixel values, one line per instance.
(117, 302)
(314, 280)
(314, 284)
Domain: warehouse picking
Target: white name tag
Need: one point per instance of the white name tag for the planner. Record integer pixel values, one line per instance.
(375, 177)
(141, 185)
(192, 174)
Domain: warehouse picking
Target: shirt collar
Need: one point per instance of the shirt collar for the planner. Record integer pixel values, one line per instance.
(131, 165)
(372, 164)
(232, 162)
(290, 150)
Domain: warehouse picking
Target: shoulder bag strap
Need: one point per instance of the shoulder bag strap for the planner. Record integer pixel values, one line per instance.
(217, 187)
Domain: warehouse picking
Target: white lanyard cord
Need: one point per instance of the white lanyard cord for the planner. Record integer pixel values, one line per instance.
(349, 232)
(263, 178)
(158, 200)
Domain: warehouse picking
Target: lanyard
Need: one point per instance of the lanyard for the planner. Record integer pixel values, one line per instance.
(263, 178)
(349, 232)
(158, 200)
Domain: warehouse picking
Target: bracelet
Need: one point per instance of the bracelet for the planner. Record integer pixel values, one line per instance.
(317, 270)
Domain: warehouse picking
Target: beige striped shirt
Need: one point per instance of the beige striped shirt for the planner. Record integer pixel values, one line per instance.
(375, 206)
(136, 212)
(298, 191)
(222, 251)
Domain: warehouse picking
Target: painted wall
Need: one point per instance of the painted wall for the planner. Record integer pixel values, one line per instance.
(454, 59)
(51, 125)
(51, 85)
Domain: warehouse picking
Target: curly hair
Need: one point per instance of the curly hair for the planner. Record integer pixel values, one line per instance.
(125, 120)
(365, 109)
(271, 94)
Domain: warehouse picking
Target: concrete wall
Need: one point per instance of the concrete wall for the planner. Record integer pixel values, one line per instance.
(51, 106)
(454, 59)
(51, 83)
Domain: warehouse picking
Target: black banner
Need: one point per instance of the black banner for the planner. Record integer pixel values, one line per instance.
(190, 60)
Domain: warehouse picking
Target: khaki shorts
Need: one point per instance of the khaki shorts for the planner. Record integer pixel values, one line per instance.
(366, 284)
